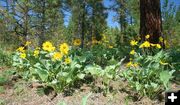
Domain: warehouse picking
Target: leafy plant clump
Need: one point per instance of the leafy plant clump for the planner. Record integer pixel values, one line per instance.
(149, 74)
(57, 67)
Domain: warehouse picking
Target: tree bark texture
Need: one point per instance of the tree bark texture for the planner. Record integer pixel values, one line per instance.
(150, 20)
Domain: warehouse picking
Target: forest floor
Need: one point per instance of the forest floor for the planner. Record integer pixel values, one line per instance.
(19, 92)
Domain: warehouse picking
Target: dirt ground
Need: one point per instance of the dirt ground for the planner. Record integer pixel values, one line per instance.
(22, 93)
(25, 95)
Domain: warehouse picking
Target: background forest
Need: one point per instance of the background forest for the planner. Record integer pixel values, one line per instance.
(60, 46)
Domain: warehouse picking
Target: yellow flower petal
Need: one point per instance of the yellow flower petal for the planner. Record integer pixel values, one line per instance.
(132, 52)
(21, 49)
(147, 36)
(57, 55)
(67, 60)
(77, 42)
(64, 48)
(158, 46)
(23, 55)
(47, 46)
(133, 42)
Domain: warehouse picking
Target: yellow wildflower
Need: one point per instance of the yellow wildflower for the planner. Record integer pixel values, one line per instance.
(160, 39)
(147, 36)
(94, 41)
(145, 44)
(158, 46)
(110, 46)
(21, 49)
(23, 55)
(36, 53)
(133, 42)
(67, 60)
(135, 65)
(165, 42)
(153, 44)
(77, 42)
(129, 64)
(132, 52)
(37, 48)
(138, 38)
(64, 48)
(163, 63)
(27, 43)
(47, 46)
(130, 59)
(57, 55)
(104, 37)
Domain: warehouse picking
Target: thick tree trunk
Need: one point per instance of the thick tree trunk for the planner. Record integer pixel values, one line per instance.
(150, 20)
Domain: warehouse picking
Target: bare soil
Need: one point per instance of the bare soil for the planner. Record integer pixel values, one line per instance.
(21, 93)
(25, 95)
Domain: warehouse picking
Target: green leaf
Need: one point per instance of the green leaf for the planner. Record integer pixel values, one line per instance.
(84, 100)
(81, 76)
(154, 85)
(138, 86)
(78, 66)
(69, 79)
(42, 74)
(82, 59)
(3, 80)
(93, 69)
(61, 103)
(2, 89)
(165, 77)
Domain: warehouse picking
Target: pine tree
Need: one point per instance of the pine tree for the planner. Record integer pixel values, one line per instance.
(150, 20)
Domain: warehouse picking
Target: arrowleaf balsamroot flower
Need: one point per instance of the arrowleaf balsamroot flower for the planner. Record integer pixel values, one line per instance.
(158, 46)
(27, 43)
(110, 46)
(23, 55)
(48, 46)
(94, 41)
(163, 63)
(147, 36)
(57, 55)
(161, 39)
(131, 64)
(145, 44)
(67, 60)
(77, 42)
(153, 44)
(133, 42)
(64, 48)
(132, 52)
(21, 49)
(36, 53)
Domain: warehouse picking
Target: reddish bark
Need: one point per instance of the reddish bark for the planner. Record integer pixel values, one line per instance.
(150, 20)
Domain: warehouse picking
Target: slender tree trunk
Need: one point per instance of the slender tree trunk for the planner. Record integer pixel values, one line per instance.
(150, 20)
(42, 35)
(122, 19)
(26, 21)
(7, 5)
(83, 25)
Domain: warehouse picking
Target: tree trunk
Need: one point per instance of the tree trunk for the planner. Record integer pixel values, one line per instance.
(83, 25)
(122, 19)
(150, 20)
(42, 35)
